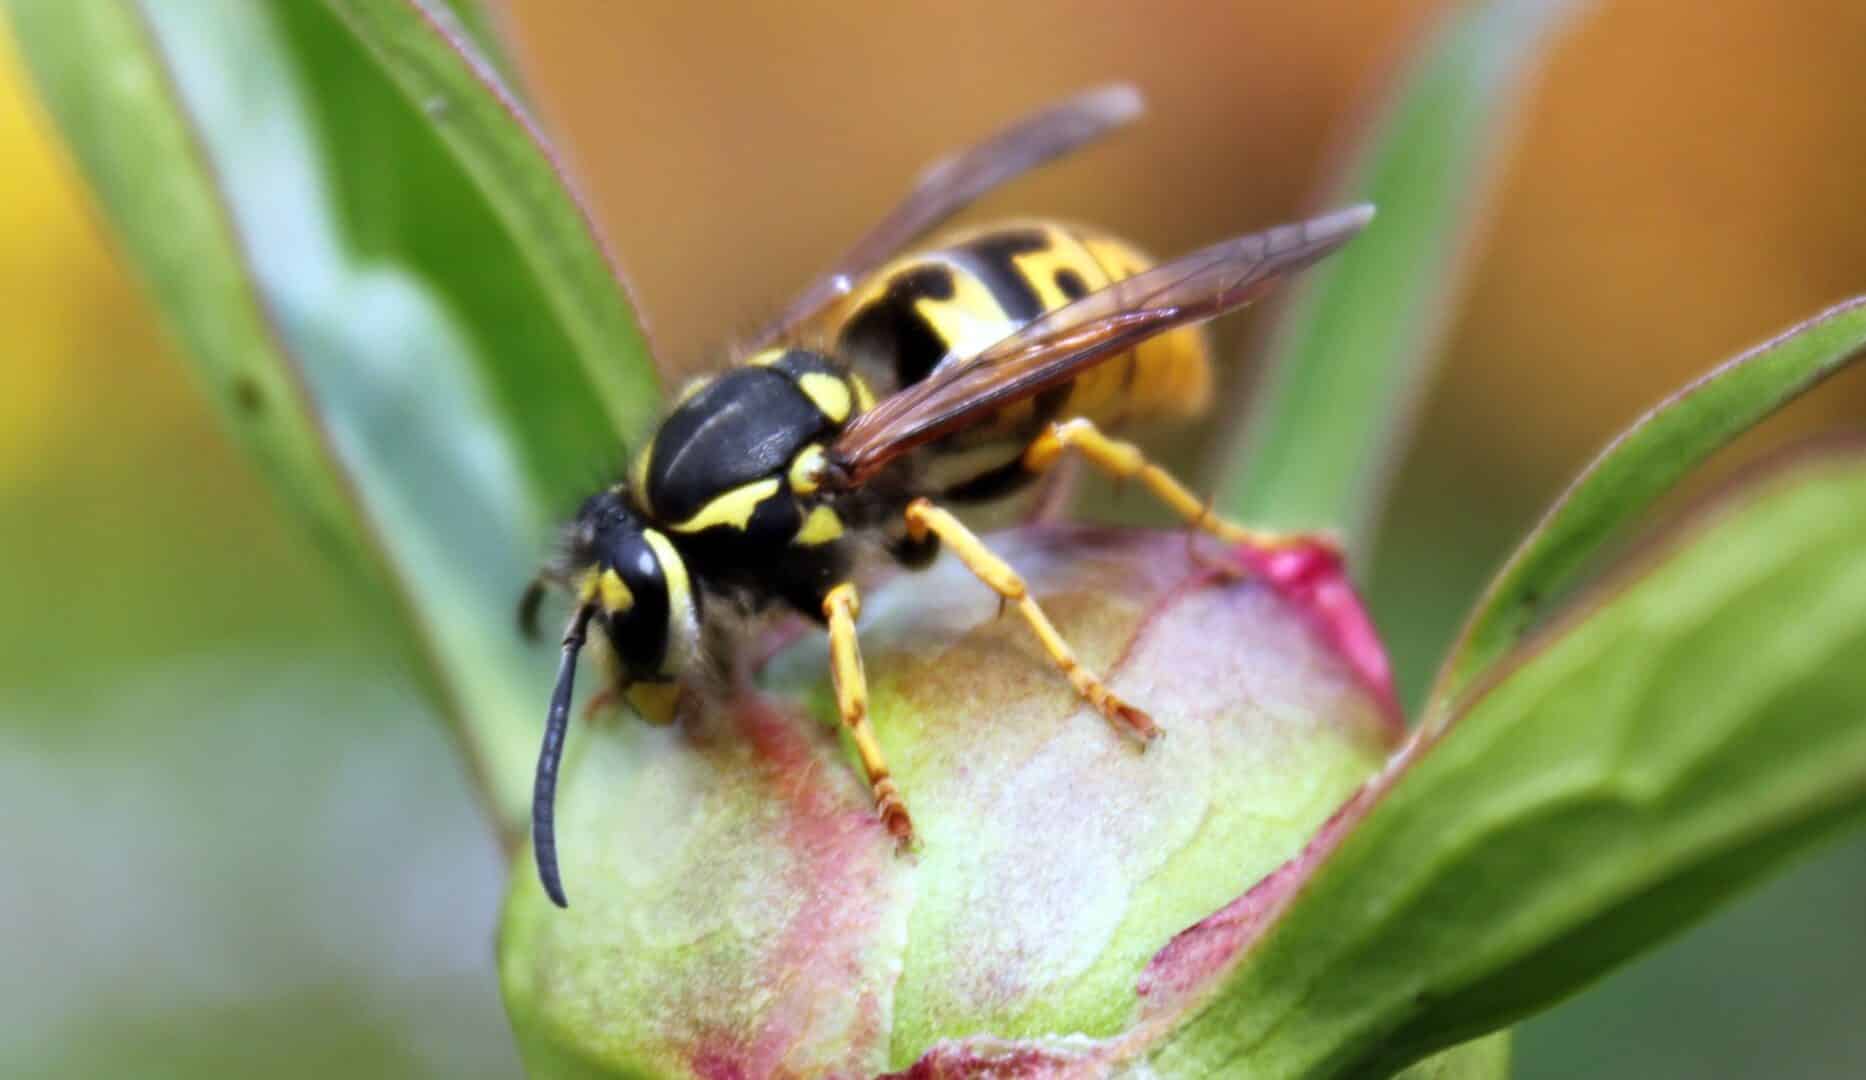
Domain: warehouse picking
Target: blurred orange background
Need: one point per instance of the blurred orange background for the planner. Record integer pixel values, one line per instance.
(1685, 183)
(1682, 186)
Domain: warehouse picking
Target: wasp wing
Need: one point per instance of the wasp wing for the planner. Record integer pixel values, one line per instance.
(952, 183)
(1059, 346)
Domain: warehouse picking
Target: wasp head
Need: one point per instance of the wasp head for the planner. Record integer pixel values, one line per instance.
(634, 584)
(630, 581)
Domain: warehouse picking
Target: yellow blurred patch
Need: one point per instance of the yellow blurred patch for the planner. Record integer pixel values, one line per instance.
(59, 280)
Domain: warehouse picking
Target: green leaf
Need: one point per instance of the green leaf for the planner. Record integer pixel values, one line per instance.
(1487, 1058)
(1355, 344)
(480, 25)
(487, 128)
(1686, 732)
(361, 303)
(1635, 470)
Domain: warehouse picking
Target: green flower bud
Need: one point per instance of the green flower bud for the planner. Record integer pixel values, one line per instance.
(736, 909)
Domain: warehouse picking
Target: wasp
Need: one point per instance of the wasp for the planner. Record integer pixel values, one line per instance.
(894, 386)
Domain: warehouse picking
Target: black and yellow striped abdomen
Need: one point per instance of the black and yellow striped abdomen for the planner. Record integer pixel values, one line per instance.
(972, 288)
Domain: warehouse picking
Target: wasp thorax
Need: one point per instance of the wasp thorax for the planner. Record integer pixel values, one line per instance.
(635, 581)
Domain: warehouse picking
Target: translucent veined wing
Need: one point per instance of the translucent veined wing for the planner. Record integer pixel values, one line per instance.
(954, 182)
(961, 391)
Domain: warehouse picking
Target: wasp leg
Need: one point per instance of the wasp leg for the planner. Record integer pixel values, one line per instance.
(840, 607)
(924, 518)
(1124, 461)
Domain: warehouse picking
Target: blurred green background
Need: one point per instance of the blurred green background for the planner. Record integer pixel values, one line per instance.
(237, 840)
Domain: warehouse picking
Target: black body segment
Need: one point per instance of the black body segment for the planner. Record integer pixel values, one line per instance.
(729, 478)
(742, 427)
(996, 483)
(992, 258)
(890, 340)
(797, 363)
(935, 310)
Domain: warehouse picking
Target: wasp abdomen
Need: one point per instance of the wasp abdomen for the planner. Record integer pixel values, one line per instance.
(973, 288)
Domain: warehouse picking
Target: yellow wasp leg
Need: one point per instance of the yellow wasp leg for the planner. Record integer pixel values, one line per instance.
(841, 607)
(923, 518)
(1124, 460)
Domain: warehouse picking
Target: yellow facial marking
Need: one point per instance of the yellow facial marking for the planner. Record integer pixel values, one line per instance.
(692, 387)
(655, 701)
(864, 397)
(683, 626)
(820, 527)
(734, 508)
(765, 358)
(586, 587)
(673, 570)
(806, 470)
(615, 593)
(829, 393)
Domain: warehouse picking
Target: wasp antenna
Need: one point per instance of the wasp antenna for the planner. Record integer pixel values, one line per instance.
(544, 790)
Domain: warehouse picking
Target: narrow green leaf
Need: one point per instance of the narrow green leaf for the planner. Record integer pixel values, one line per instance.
(1635, 470)
(139, 154)
(485, 126)
(1355, 344)
(1487, 1058)
(362, 307)
(1687, 732)
(482, 26)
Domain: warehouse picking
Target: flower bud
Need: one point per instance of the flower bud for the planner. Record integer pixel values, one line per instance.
(737, 910)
